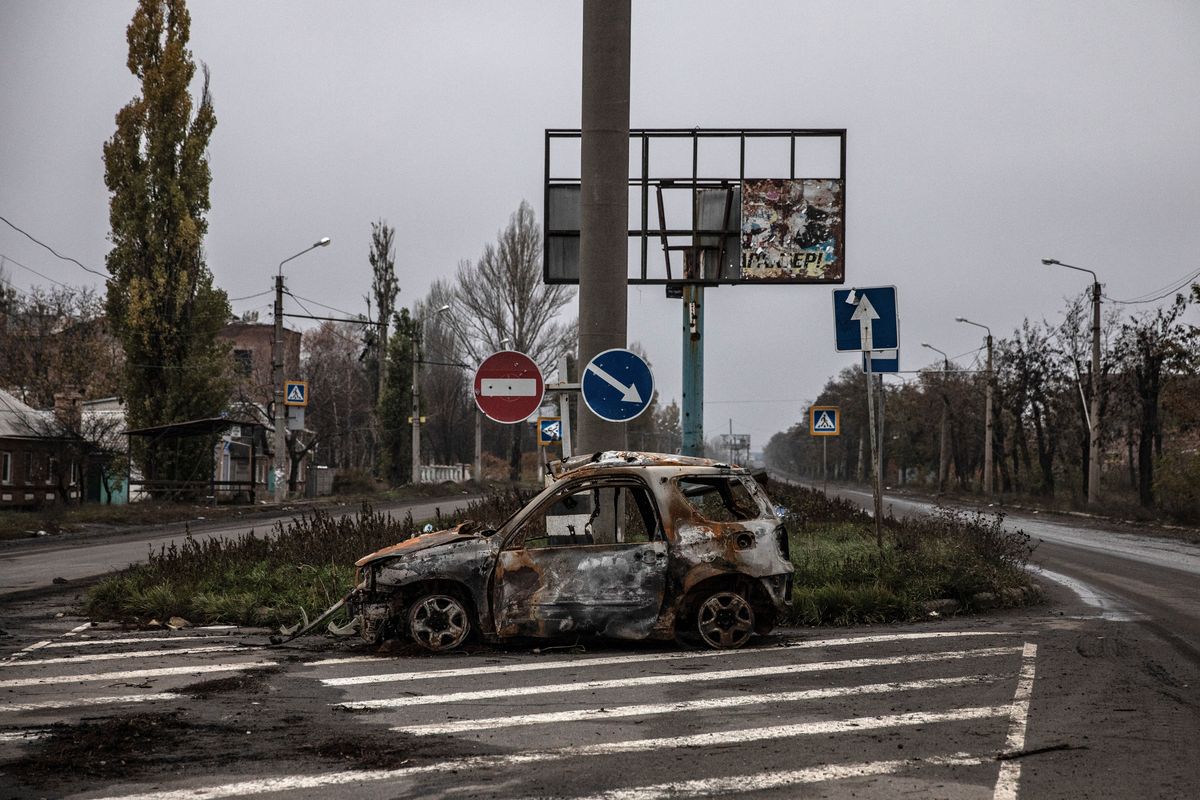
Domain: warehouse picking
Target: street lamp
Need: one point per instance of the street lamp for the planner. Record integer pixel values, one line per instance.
(416, 391)
(280, 446)
(943, 448)
(1093, 418)
(988, 485)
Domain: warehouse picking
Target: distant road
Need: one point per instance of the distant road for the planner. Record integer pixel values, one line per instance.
(1143, 578)
(37, 564)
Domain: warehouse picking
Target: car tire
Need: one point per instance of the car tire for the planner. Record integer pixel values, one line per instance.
(725, 620)
(439, 622)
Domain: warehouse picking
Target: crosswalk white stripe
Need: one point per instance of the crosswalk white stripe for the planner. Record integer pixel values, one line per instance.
(136, 640)
(357, 680)
(285, 783)
(194, 669)
(619, 712)
(689, 677)
(762, 781)
(74, 702)
(21, 736)
(161, 653)
(1010, 769)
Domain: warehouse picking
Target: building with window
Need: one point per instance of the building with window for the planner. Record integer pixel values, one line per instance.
(39, 457)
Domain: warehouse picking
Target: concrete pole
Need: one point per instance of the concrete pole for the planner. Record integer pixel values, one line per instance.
(478, 446)
(1094, 443)
(280, 444)
(604, 201)
(944, 446)
(988, 485)
(416, 408)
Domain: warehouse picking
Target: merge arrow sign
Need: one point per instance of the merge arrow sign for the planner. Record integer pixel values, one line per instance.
(629, 394)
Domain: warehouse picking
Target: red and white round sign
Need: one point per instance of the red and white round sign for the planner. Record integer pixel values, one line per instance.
(508, 387)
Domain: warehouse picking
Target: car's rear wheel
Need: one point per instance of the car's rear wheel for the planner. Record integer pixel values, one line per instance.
(725, 620)
(439, 622)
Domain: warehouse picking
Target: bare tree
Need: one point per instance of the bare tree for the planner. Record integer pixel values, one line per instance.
(342, 421)
(501, 299)
(1152, 347)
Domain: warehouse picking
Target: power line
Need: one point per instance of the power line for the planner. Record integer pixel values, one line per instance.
(34, 271)
(1144, 299)
(250, 296)
(52, 250)
(322, 305)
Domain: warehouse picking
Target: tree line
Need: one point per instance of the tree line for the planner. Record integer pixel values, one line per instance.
(1042, 385)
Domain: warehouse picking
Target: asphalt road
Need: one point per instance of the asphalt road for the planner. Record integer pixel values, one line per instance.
(1093, 695)
(30, 565)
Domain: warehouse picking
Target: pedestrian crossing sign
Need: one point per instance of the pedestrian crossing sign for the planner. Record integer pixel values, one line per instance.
(295, 393)
(824, 421)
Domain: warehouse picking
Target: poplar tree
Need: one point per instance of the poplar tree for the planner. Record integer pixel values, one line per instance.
(161, 300)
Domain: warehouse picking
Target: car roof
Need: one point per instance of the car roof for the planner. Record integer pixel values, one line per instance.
(612, 459)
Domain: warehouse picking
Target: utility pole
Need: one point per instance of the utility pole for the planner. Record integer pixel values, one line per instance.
(604, 200)
(415, 350)
(1094, 457)
(279, 446)
(988, 486)
(280, 465)
(944, 447)
(418, 328)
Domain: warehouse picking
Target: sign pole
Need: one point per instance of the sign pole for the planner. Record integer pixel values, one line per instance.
(825, 464)
(564, 408)
(876, 488)
(692, 412)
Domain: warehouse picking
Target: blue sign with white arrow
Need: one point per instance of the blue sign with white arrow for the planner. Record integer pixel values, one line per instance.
(617, 385)
(866, 319)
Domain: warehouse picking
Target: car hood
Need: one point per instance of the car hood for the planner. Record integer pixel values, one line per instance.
(459, 533)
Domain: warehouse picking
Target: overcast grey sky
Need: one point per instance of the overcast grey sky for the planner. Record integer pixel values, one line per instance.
(982, 136)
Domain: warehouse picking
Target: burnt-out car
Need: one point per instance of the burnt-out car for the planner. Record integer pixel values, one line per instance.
(620, 544)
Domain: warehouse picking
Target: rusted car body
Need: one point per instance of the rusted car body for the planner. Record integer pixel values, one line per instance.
(620, 544)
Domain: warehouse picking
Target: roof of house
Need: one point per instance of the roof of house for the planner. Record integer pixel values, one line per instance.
(19, 421)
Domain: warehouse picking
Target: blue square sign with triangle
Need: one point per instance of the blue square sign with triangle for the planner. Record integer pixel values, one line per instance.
(295, 393)
(824, 421)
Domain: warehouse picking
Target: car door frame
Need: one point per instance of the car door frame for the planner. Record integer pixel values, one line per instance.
(613, 590)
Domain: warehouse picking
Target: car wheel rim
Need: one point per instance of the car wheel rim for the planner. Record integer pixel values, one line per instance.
(439, 622)
(725, 620)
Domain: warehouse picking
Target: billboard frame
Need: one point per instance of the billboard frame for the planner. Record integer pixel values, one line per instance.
(685, 273)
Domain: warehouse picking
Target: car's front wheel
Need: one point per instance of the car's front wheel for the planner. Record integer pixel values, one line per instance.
(439, 622)
(725, 620)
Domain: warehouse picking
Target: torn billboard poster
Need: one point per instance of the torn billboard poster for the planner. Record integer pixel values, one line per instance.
(793, 229)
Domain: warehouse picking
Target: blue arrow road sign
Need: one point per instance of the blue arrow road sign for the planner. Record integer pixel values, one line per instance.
(617, 385)
(859, 314)
(883, 361)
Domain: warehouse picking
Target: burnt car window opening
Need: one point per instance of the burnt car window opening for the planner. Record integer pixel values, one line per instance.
(720, 499)
(592, 514)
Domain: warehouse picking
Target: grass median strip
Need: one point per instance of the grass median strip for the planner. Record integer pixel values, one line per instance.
(945, 563)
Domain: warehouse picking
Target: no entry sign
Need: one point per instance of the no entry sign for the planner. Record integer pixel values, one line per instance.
(508, 387)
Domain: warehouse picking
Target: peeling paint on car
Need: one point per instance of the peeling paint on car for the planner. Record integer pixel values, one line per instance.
(575, 584)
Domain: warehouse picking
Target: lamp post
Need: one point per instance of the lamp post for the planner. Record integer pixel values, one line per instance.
(1093, 418)
(988, 486)
(280, 445)
(943, 448)
(416, 392)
